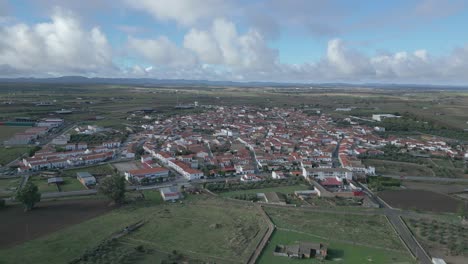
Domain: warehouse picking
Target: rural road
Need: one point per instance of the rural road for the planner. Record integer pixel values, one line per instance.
(394, 216)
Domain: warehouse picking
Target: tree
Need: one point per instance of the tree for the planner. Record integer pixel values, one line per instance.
(28, 195)
(33, 151)
(114, 188)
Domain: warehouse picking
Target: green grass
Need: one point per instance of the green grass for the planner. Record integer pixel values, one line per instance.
(443, 163)
(7, 132)
(369, 230)
(338, 252)
(71, 184)
(98, 169)
(282, 189)
(386, 167)
(9, 154)
(186, 227)
(8, 186)
(42, 184)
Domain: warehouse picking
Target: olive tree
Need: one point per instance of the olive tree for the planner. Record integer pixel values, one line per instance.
(28, 195)
(114, 188)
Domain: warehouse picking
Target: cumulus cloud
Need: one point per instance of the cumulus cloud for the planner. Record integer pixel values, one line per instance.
(58, 46)
(184, 12)
(161, 51)
(221, 45)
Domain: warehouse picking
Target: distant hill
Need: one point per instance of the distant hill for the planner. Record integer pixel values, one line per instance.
(182, 83)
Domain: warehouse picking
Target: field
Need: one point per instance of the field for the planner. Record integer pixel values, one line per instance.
(9, 154)
(8, 186)
(282, 189)
(42, 184)
(71, 184)
(223, 233)
(442, 238)
(99, 170)
(351, 238)
(18, 227)
(420, 200)
(7, 132)
(386, 167)
(440, 188)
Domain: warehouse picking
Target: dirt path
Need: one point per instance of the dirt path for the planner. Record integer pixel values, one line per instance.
(266, 238)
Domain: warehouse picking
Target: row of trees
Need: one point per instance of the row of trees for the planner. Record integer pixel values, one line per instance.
(113, 187)
(235, 186)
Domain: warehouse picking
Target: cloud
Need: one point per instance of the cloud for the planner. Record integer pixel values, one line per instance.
(161, 51)
(60, 46)
(221, 45)
(184, 12)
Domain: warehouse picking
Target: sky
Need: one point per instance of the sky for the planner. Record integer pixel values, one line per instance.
(359, 41)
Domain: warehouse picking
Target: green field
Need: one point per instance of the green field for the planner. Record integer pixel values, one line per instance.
(386, 167)
(7, 132)
(338, 252)
(42, 184)
(9, 154)
(368, 230)
(281, 189)
(8, 186)
(71, 184)
(105, 169)
(200, 228)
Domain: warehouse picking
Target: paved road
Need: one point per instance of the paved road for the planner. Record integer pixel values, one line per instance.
(427, 178)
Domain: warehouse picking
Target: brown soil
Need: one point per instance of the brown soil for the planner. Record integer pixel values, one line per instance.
(420, 200)
(18, 227)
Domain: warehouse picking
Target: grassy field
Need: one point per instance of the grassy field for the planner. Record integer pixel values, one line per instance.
(386, 167)
(282, 189)
(71, 184)
(9, 154)
(338, 252)
(200, 228)
(7, 132)
(105, 169)
(368, 230)
(8, 186)
(42, 184)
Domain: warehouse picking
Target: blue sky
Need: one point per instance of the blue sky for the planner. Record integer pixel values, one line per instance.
(413, 41)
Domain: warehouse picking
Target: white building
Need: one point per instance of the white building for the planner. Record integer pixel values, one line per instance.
(170, 194)
(322, 173)
(381, 117)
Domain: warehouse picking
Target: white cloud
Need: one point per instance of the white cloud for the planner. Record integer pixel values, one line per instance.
(204, 45)
(222, 45)
(161, 51)
(184, 12)
(59, 46)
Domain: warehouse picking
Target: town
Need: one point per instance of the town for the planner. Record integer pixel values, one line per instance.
(271, 156)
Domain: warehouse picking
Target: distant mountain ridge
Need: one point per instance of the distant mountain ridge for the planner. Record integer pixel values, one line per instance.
(183, 82)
